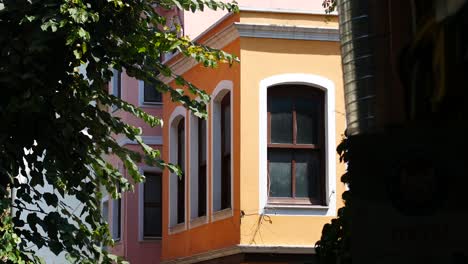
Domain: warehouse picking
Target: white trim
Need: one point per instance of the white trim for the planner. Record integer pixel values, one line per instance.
(218, 41)
(287, 32)
(223, 87)
(141, 199)
(329, 88)
(177, 114)
(148, 140)
(286, 11)
(141, 97)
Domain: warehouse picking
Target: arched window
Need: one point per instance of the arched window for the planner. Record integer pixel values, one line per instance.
(222, 146)
(177, 188)
(296, 152)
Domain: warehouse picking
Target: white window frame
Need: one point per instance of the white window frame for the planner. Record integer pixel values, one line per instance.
(223, 87)
(177, 114)
(196, 220)
(112, 90)
(141, 97)
(315, 82)
(141, 205)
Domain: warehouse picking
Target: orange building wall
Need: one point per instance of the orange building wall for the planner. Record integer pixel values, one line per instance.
(221, 233)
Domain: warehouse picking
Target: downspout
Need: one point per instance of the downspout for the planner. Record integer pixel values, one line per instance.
(358, 64)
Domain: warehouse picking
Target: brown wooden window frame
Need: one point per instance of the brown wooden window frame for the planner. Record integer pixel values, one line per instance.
(298, 91)
(181, 179)
(151, 205)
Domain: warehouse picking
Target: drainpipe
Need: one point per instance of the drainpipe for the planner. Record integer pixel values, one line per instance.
(358, 64)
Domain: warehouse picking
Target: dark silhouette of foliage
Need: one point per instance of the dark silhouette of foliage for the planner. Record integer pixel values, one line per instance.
(55, 62)
(334, 245)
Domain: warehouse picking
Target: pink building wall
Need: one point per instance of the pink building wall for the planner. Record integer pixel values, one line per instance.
(131, 246)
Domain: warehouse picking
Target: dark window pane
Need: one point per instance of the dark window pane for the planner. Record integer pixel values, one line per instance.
(307, 116)
(226, 123)
(226, 182)
(280, 173)
(202, 190)
(281, 120)
(307, 173)
(181, 179)
(151, 94)
(152, 221)
(202, 140)
(152, 188)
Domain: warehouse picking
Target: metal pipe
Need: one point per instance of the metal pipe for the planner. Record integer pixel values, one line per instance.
(358, 66)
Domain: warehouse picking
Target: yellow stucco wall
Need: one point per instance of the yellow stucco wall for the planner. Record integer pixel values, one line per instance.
(262, 58)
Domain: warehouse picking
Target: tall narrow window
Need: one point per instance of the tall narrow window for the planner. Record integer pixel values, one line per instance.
(222, 151)
(117, 83)
(181, 180)
(152, 213)
(117, 217)
(201, 167)
(295, 145)
(226, 152)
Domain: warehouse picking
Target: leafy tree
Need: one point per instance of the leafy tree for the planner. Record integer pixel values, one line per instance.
(54, 125)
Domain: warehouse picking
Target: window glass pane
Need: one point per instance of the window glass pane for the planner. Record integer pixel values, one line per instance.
(152, 191)
(307, 116)
(151, 94)
(281, 120)
(181, 146)
(307, 173)
(202, 140)
(227, 127)
(280, 173)
(152, 221)
(105, 211)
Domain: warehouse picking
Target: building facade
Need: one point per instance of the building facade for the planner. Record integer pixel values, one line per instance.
(260, 175)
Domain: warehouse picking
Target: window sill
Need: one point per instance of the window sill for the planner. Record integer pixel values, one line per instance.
(201, 220)
(296, 209)
(223, 214)
(177, 228)
(150, 105)
(150, 240)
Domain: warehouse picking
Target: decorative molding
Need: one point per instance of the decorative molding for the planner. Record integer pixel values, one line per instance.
(218, 41)
(243, 249)
(287, 32)
(286, 11)
(148, 140)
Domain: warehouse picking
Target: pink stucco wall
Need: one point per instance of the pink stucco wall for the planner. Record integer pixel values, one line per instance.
(130, 246)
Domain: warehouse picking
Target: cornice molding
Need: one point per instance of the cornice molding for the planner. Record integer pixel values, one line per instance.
(217, 41)
(238, 249)
(233, 31)
(287, 32)
(287, 11)
(148, 140)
